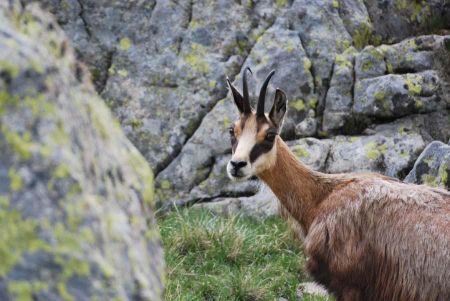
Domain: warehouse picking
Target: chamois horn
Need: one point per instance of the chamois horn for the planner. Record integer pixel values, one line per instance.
(247, 107)
(262, 95)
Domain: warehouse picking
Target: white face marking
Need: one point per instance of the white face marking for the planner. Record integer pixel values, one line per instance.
(247, 141)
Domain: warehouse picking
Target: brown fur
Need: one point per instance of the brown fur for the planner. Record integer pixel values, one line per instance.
(367, 236)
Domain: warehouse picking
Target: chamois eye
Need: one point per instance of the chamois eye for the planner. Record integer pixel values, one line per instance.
(270, 136)
(231, 131)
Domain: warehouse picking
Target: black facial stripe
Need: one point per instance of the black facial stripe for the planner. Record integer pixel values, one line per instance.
(233, 144)
(259, 149)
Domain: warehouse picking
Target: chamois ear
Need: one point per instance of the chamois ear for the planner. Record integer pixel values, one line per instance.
(278, 110)
(238, 99)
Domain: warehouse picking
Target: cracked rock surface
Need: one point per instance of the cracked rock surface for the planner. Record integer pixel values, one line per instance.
(368, 78)
(76, 197)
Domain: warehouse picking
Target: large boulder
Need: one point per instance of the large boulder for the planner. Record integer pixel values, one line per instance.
(161, 67)
(385, 83)
(75, 195)
(432, 167)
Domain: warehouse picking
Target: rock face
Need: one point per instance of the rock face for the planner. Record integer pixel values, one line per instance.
(432, 167)
(348, 66)
(75, 195)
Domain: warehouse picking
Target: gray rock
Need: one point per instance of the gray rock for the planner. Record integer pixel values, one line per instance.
(161, 66)
(261, 205)
(306, 128)
(75, 195)
(313, 152)
(370, 63)
(391, 81)
(393, 20)
(323, 34)
(432, 167)
(390, 151)
(412, 55)
(356, 21)
(339, 98)
(398, 95)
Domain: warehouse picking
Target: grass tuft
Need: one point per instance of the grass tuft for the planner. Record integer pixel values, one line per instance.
(234, 258)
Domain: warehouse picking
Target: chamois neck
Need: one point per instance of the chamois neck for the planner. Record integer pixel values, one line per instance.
(299, 188)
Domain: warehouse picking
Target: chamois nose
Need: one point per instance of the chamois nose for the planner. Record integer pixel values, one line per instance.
(238, 164)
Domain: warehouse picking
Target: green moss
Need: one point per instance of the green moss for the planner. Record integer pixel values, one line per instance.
(125, 43)
(374, 150)
(62, 290)
(59, 135)
(10, 68)
(390, 68)
(136, 123)
(343, 44)
(122, 72)
(418, 104)
(61, 171)
(361, 37)
(342, 61)
(95, 74)
(404, 154)
(39, 106)
(195, 24)
(300, 151)
(307, 64)
(112, 70)
(429, 180)
(281, 3)
(313, 102)
(212, 84)
(7, 100)
(148, 189)
(298, 104)
(290, 47)
(15, 180)
(335, 3)
(165, 184)
(379, 95)
(318, 81)
(443, 174)
(20, 144)
(73, 266)
(411, 82)
(226, 122)
(23, 290)
(367, 65)
(17, 236)
(196, 58)
(4, 201)
(401, 4)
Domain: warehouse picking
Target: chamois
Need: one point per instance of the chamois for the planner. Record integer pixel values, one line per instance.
(366, 236)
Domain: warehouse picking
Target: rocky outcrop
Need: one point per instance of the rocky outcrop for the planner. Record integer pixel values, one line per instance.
(385, 83)
(75, 195)
(432, 167)
(347, 66)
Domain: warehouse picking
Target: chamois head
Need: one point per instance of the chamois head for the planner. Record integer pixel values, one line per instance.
(253, 136)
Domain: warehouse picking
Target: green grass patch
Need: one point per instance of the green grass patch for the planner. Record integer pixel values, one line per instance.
(230, 258)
